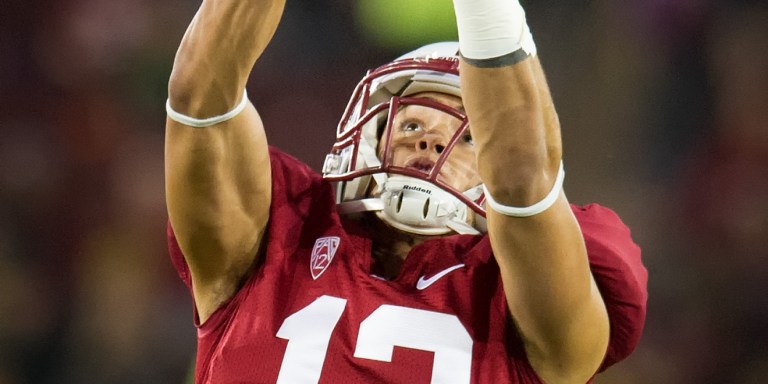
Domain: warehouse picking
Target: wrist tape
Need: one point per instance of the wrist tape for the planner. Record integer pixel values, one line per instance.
(492, 28)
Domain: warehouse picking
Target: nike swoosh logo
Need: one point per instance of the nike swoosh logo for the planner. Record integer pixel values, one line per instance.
(424, 283)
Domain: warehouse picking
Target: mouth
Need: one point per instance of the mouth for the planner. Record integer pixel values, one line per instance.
(421, 164)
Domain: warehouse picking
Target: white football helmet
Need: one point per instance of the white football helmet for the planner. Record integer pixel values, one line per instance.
(410, 198)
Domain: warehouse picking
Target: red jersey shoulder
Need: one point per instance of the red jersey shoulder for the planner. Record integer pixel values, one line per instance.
(290, 177)
(617, 266)
(303, 207)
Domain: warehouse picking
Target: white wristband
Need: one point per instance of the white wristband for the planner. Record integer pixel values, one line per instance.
(534, 209)
(492, 28)
(206, 122)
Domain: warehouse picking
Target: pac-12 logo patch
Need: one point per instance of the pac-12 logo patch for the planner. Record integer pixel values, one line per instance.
(322, 255)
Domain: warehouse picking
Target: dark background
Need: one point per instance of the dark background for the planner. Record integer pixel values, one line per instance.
(663, 105)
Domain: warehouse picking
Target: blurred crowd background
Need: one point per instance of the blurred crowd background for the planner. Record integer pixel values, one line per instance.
(664, 109)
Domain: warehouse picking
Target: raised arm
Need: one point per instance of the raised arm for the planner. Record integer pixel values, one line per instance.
(550, 291)
(218, 180)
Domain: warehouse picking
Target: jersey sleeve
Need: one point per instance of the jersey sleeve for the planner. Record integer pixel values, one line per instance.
(616, 264)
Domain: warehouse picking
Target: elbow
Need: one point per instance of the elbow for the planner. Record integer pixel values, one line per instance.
(521, 180)
(181, 88)
(518, 155)
(200, 96)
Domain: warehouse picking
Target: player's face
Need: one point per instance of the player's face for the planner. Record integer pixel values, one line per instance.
(421, 134)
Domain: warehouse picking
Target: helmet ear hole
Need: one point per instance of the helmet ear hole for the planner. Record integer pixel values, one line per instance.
(425, 210)
(399, 202)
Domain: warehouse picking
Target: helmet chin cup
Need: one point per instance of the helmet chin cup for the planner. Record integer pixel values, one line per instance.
(419, 207)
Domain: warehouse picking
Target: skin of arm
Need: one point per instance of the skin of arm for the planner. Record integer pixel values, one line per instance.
(218, 178)
(549, 288)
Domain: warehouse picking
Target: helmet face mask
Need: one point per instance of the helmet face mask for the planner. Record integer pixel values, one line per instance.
(429, 137)
(429, 192)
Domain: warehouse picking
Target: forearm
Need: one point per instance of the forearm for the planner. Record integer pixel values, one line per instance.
(217, 54)
(515, 130)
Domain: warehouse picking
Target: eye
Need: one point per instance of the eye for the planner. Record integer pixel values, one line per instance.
(411, 126)
(467, 138)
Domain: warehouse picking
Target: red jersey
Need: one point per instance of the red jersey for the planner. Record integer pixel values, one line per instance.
(312, 312)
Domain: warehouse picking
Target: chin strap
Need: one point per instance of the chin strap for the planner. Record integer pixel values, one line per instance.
(462, 228)
(362, 205)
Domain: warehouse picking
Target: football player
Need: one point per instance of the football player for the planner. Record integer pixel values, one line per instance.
(437, 246)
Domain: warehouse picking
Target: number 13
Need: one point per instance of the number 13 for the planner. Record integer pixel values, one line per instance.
(309, 330)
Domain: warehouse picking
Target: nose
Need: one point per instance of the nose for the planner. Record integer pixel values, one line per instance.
(431, 141)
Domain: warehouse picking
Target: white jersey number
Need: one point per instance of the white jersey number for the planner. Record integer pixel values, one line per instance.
(309, 330)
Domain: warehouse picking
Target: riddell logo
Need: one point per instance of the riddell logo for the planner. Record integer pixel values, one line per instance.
(417, 189)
